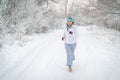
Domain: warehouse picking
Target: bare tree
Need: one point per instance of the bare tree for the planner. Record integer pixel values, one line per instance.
(106, 6)
(69, 7)
(106, 12)
(66, 7)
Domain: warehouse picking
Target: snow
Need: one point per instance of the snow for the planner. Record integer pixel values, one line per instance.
(43, 57)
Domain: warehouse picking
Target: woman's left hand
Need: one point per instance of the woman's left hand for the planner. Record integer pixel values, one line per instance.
(70, 32)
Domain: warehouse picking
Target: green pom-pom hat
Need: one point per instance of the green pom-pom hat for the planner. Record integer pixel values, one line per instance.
(70, 19)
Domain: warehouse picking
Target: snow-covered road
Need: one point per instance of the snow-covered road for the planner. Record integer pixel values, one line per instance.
(44, 58)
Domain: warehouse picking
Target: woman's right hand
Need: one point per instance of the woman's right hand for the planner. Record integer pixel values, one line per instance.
(63, 38)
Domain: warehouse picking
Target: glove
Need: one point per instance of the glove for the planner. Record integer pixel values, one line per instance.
(70, 32)
(63, 38)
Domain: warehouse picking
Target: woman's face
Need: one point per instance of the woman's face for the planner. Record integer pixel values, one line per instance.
(69, 23)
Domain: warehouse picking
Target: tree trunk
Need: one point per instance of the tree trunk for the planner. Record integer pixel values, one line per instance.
(66, 6)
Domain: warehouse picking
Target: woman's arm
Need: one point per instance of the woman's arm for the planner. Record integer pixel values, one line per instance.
(63, 36)
(73, 32)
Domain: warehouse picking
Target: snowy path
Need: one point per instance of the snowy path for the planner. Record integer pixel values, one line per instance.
(43, 58)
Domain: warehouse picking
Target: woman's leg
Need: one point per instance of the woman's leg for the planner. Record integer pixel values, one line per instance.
(69, 54)
(73, 46)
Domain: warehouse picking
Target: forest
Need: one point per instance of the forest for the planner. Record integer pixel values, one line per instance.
(26, 17)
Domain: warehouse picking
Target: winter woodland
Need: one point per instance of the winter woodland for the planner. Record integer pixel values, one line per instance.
(30, 38)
